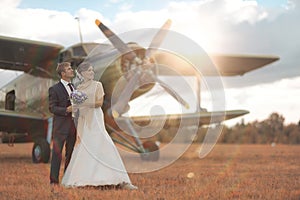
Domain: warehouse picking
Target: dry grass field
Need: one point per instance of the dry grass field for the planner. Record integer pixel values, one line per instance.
(228, 172)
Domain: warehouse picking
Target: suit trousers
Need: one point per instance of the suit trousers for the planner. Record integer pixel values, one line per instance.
(58, 142)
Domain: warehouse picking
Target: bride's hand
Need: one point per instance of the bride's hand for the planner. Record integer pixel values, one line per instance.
(98, 103)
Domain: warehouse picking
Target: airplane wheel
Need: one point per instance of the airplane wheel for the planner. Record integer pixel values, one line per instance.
(41, 151)
(152, 151)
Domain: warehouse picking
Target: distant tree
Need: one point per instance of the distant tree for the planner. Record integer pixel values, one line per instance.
(266, 131)
(292, 132)
(275, 123)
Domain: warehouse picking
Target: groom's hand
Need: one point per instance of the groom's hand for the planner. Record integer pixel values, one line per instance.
(69, 109)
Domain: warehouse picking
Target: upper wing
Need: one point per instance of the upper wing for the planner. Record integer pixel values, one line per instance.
(210, 65)
(40, 59)
(36, 58)
(231, 65)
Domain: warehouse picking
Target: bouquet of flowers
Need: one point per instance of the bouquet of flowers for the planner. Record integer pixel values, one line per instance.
(77, 97)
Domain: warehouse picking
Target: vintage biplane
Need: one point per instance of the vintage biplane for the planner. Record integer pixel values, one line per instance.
(129, 67)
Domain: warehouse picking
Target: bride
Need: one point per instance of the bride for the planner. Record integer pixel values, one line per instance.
(95, 160)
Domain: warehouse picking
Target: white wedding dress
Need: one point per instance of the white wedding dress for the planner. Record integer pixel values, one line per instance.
(95, 160)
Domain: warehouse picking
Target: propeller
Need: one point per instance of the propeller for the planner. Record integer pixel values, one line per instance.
(158, 38)
(117, 42)
(140, 69)
(120, 106)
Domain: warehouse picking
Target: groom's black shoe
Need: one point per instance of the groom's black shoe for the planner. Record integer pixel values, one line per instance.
(54, 187)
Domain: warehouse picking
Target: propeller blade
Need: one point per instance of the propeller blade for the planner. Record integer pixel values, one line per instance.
(173, 93)
(158, 38)
(119, 107)
(116, 41)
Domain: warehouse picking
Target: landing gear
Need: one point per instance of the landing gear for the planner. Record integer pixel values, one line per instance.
(41, 151)
(151, 151)
(148, 150)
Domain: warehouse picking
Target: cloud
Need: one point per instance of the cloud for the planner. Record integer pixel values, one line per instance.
(227, 26)
(47, 25)
(9, 4)
(244, 27)
(261, 100)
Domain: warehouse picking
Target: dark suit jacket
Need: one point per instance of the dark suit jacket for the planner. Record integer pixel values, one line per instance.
(59, 100)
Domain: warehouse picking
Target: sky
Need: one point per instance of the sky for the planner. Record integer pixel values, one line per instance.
(261, 27)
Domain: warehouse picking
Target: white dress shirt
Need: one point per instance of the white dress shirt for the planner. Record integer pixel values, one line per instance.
(65, 83)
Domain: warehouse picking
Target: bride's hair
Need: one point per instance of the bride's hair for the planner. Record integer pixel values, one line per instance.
(83, 67)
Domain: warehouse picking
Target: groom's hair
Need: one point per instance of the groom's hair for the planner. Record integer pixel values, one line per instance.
(61, 67)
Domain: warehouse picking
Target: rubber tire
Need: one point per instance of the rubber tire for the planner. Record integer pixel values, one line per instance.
(153, 149)
(41, 151)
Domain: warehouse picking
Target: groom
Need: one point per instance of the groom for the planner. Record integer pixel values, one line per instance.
(64, 130)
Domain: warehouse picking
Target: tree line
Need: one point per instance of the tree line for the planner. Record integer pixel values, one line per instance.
(268, 131)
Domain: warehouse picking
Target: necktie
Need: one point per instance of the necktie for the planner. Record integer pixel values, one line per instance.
(70, 86)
